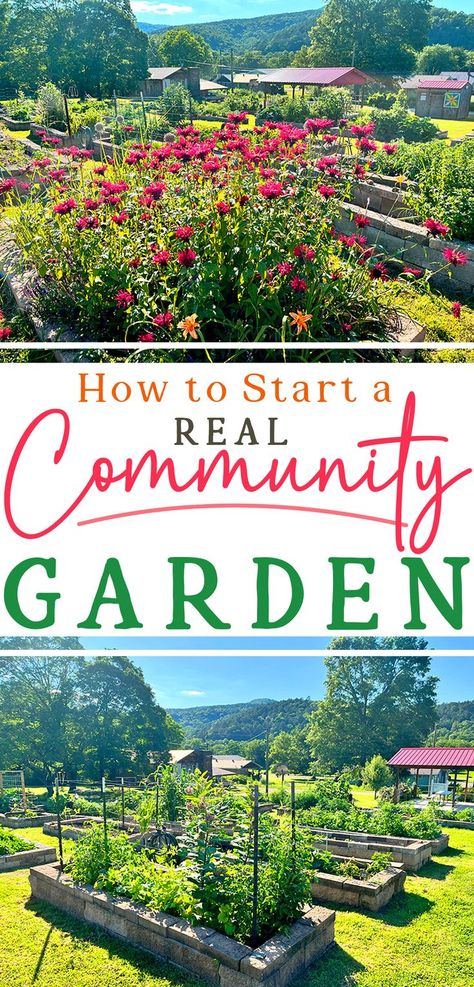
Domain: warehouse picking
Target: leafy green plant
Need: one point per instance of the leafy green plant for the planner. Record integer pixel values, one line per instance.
(10, 843)
(380, 861)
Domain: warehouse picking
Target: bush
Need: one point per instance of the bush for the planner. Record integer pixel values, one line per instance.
(405, 793)
(376, 773)
(383, 101)
(398, 123)
(50, 104)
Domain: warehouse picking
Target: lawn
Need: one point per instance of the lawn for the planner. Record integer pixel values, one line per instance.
(423, 940)
(363, 798)
(455, 128)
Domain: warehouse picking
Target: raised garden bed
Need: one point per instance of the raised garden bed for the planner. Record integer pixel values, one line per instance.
(413, 245)
(456, 824)
(372, 893)
(200, 951)
(440, 844)
(39, 854)
(75, 827)
(19, 822)
(411, 853)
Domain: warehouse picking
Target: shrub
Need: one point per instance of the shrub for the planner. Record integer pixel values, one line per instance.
(50, 104)
(399, 123)
(383, 101)
(376, 773)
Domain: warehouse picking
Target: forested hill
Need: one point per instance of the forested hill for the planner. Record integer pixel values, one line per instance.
(288, 32)
(243, 721)
(451, 27)
(455, 724)
(272, 32)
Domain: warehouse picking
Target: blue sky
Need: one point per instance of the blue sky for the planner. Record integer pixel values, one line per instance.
(200, 11)
(207, 681)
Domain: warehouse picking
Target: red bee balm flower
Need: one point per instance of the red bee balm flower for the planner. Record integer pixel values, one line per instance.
(124, 298)
(63, 208)
(223, 208)
(5, 332)
(456, 309)
(271, 190)
(164, 319)
(326, 191)
(439, 229)
(184, 233)
(390, 148)
(186, 257)
(361, 220)
(162, 258)
(454, 257)
(379, 272)
(299, 284)
(147, 337)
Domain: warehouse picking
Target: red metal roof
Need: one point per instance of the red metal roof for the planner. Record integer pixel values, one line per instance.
(433, 757)
(448, 85)
(317, 77)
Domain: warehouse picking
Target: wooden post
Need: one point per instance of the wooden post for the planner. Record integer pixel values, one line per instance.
(293, 817)
(397, 787)
(416, 781)
(157, 798)
(104, 814)
(254, 940)
(430, 783)
(123, 803)
(68, 119)
(466, 790)
(454, 787)
(23, 790)
(58, 817)
(143, 108)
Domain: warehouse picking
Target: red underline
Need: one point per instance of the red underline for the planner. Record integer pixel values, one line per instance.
(257, 507)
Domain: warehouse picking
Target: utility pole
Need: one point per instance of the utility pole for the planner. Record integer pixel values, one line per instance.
(231, 70)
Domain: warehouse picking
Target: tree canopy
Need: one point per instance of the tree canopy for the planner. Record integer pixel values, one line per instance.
(181, 47)
(375, 35)
(373, 704)
(434, 59)
(87, 717)
(93, 45)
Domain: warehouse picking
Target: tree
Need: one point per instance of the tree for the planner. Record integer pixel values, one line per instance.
(372, 705)
(87, 717)
(376, 773)
(290, 748)
(180, 47)
(434, 59)
(376, 35)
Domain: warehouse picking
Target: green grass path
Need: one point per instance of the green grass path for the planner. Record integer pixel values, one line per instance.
(425, 939)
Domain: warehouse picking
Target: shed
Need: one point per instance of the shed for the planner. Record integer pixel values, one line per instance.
(443, 99)
(437, 762)
(161, 77)
(233, 764)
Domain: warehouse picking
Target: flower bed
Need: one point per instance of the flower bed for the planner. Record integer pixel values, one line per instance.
(231, 237)
(200, 950)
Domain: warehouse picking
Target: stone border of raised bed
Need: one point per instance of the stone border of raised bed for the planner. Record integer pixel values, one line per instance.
(41, 854)
(372, 894)
(73, 828)
(198, 950)
(456, 823)
(441, 844)
(19, 822)
(411, 853)
(414, 246)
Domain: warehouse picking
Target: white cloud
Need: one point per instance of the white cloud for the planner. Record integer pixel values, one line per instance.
(192, 692)
(161, 9)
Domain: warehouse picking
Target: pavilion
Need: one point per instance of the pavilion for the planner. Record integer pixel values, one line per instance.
(346, 76)
(433, 759)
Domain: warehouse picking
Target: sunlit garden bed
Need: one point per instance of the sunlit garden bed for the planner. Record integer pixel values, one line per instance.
(15, 852)
(231, 237)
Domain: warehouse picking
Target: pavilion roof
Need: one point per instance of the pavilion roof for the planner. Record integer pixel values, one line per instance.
(433, 757)
(345, 76)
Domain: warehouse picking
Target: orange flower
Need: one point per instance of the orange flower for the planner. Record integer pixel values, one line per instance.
(300, 320)
(189, 325)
